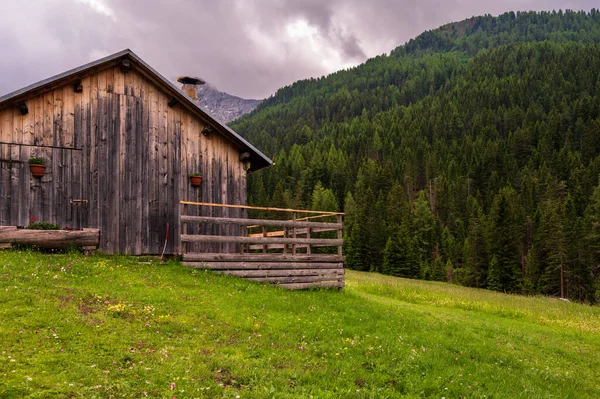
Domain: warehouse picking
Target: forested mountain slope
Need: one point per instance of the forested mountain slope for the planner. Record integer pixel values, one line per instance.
(470, 154)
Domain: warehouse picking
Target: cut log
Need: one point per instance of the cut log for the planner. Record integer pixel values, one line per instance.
(261, 266)
(283, 273)
(321, 284)
(297, 279)
(215, 257)
(51, 238)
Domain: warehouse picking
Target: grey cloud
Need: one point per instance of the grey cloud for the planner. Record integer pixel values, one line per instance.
(239, 46)
(351, 48)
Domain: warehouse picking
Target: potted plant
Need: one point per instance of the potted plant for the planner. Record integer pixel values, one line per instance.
(37, 167)
(196, 179)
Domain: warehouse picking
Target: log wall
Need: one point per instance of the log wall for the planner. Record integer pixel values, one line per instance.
(258, 258)
(118, 159)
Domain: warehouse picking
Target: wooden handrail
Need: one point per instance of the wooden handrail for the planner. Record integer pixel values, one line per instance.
(261, 240)
(260, 208)
(317, 217)
(261, 222)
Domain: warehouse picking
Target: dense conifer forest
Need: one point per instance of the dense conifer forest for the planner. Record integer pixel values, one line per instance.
(471, 154)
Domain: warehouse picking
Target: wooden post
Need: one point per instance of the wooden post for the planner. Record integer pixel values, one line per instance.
(264, 233)
(308, 230)
(294, 234)
(285, 235)
(184, 246)
(339, 234)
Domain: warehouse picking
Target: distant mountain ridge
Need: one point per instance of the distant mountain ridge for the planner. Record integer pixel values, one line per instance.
(224, 106)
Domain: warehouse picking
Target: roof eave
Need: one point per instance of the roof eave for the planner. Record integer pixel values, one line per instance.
(258, 159)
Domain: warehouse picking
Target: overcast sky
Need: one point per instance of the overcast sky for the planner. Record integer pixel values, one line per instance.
(249, 48)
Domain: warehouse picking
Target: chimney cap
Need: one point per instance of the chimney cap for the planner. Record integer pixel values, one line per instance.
(189, 80)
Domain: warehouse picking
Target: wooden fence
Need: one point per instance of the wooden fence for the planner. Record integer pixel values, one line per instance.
(289, 252)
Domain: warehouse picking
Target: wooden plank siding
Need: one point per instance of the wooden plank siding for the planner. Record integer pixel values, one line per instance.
(117, 159)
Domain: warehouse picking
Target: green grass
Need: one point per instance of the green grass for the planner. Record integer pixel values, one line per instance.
(103, 327)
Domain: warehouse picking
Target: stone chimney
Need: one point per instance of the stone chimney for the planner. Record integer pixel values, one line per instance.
(189, 86)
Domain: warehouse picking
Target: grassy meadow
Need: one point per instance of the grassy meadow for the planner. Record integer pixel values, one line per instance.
(121, 327)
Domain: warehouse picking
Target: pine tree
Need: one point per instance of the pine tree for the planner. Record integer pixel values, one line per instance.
(504, 234)
(495, 280)
(475, 248)
(357, 250)
(323, 199)
(423, 229)
(554, 242)
(399, 257)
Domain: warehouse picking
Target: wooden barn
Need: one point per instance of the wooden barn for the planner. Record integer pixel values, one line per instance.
(119, 142)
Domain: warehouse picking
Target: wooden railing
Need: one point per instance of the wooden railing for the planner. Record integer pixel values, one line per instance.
(291, 252)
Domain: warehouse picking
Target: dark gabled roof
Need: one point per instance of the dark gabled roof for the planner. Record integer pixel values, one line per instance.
(258, 159)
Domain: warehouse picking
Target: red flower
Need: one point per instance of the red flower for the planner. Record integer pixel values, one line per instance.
(32, 219)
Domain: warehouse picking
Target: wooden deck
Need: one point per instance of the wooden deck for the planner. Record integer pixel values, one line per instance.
(291, 253)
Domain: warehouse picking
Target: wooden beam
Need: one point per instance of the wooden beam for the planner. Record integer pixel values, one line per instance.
(260, 222)
(172, 102)
(125, 65)
(260, 240)
(265, 265)
(321, 284)
(77, 86)
(280, 246)
(41, 146)
(282, 272)
(293, 279)
(23, 108)
(339, 235)
(207, 129)
(323, 213)
(261, 258)
(316, 217)
(298, 232)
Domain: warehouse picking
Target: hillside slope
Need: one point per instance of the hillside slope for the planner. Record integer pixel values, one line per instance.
(470, 154)
(73, 326)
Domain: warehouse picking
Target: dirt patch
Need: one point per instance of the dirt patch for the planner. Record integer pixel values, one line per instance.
(223, 376)
(64, 300)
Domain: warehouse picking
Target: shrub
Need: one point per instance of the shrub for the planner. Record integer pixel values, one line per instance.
(43, 226)
(36, 161)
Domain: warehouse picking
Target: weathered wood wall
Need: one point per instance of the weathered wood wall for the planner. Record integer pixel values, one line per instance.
(120, 147)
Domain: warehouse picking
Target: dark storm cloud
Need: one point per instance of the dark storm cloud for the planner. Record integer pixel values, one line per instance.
(246, 47)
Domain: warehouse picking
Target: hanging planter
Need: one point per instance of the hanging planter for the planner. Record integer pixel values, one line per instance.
(37, 167)
(196, 179)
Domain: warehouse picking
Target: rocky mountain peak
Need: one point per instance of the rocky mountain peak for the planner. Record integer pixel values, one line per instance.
(224, 106)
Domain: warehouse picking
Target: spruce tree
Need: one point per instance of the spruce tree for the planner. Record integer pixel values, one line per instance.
(504, 235)
(399, 257)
